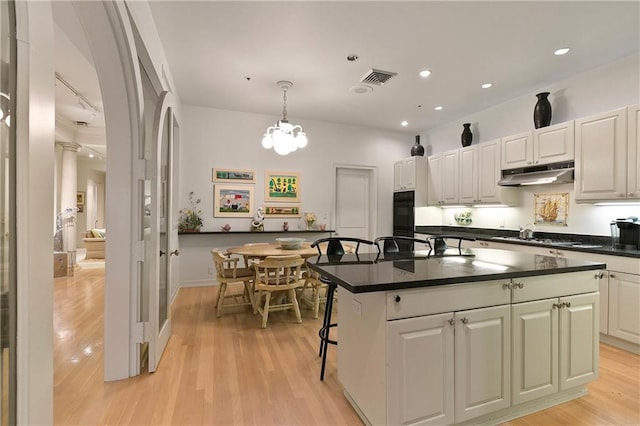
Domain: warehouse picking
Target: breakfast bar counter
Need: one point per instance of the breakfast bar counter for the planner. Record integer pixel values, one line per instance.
(478, 338)
(360, 273)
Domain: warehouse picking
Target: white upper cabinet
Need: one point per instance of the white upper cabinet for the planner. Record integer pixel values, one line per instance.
(410, 174)
(546, 145)
(450, 177)
(479, 175)
(443, 178)
(517, 151)
(601, 156)
(553, 143)
(434, 180)
(633, 152)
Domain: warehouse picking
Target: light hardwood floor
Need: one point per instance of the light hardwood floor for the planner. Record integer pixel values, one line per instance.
(230, 371)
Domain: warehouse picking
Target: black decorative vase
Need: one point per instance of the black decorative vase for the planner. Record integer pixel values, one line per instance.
(542, 111)
(466, 137)
(417, 149)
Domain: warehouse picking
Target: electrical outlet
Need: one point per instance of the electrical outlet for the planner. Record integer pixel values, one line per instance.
(210, 271)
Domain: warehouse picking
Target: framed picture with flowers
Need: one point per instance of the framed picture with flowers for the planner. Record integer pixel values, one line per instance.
(233, 200)
(282, 187)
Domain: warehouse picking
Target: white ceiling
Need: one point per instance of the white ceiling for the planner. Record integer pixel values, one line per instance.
(230, 55)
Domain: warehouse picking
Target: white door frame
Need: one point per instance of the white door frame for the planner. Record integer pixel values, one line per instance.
(373, 195)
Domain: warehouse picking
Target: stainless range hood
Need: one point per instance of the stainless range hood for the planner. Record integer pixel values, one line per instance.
(538, 175)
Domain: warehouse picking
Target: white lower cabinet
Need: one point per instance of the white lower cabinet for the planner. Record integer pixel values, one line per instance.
(482, 363)
(421, 391)
(424, 353)
(624, 306)
(554, 345)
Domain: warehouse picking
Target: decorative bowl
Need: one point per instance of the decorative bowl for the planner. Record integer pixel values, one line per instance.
(290, 243)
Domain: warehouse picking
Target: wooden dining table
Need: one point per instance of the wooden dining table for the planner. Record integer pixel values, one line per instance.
(264, 250)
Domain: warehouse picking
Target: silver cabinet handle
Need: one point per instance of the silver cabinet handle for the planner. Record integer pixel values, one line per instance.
(518, 285)
(465, 320)
(555, 306)
(162, 253)
(612, 275)
(567, 304)
(175, 253)
(599, 275)
(451, 321)
(507, 286)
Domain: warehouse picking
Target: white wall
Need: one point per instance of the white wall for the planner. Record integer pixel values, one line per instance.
(227, 139)
(602, 89)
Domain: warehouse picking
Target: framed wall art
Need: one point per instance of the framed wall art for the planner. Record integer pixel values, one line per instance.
(551, 209)
(282, 186)
(80, 198)
(272, 210)
(233, 176)
(233, 201)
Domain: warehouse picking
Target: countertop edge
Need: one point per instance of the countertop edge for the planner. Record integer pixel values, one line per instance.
(455, 280)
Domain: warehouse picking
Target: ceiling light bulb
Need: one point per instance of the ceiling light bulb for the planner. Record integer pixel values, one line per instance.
(425, 73)
(438, 108)
(404, 124)
(486, 85)
(301, 139)
(267, 142)
(90, 155)
(562, 51)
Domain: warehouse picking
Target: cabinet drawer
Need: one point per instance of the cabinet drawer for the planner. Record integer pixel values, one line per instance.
(555, 285)
(446, 298)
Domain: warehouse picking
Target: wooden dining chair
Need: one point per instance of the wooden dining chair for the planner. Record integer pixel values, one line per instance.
(273, 275)
(227, 272)
(250, 260)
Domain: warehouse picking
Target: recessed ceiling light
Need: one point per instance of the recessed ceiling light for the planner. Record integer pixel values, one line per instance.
(425, 73)
(486, 85)
(438, 108)
(562, 51)
(404, 123)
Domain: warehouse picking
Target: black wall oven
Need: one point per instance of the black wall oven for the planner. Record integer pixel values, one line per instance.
(403, 215)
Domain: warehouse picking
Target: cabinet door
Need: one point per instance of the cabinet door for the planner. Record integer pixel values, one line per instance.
(553, 143)
(397, 176)
(434, 182)
(624, 306)
(601, 156)
(633, 152)
(579, 339)
(482, 361)
(469, 175)
(489, 172)
(420, 370)
(450, 177)
(517, 151)
(409, 173)
(535, 350)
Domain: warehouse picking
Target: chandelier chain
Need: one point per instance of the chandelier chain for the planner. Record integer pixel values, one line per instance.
(284, 105)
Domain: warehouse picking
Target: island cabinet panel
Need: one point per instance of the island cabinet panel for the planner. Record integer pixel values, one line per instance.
(420, 370)
(545, 286)
(579, 350)
(535, 350)
(482, 361)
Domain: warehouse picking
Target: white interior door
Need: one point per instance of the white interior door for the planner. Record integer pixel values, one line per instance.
(354, 202)
(157, 239)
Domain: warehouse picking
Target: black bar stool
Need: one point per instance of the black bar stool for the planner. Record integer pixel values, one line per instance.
(334, 248)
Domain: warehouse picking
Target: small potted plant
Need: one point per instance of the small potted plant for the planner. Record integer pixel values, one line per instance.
(190, 220)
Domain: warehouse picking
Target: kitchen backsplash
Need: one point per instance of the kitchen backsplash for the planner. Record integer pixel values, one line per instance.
(588, 219)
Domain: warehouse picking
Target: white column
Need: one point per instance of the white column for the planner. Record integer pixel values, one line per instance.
(68, 200)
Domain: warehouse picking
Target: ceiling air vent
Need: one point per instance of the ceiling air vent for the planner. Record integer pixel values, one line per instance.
(377, 77)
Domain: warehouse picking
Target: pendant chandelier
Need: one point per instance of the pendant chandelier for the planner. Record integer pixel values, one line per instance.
(284, 137)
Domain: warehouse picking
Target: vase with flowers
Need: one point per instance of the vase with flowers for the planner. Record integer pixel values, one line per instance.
(310, 218)
(190, 219)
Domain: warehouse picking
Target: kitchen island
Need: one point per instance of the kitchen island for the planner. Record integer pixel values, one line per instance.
(480, 336)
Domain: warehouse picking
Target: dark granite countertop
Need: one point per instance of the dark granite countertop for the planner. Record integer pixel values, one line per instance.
(585, 243)
(371, 272)
(291, 231)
